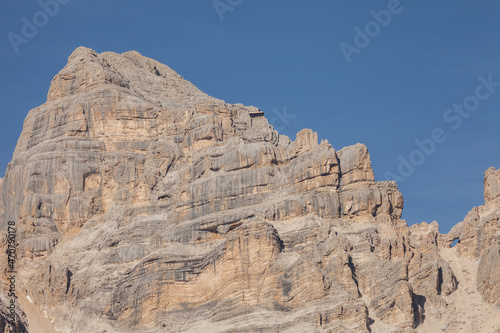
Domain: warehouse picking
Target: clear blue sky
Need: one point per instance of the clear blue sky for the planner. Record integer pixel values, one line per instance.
(286, 54)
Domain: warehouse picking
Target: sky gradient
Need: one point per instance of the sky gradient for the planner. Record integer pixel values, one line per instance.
(403, 79)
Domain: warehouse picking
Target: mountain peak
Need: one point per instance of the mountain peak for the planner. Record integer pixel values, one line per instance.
(81, 53)
(88, 72)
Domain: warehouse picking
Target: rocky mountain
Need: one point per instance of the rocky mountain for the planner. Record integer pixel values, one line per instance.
(144, 205)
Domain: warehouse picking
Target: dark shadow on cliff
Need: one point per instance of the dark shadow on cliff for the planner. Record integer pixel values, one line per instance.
(418, 309)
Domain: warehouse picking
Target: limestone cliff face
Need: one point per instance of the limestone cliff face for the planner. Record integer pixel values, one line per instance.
(143, 204)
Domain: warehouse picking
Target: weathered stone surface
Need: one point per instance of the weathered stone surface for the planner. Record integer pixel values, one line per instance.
(430, 275)
(488, 275)
(143, 204)
(20, 321)
(491, 185)
(356, 164)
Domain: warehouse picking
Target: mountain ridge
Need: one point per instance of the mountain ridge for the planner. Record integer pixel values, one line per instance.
(143, 203)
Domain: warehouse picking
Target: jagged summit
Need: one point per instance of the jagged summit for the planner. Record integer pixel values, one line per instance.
(144, 205)
(126, 97)
(88, 72)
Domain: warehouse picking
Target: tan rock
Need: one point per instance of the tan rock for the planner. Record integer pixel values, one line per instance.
(355, 164)
(491, 184)
(143, 204)
(488, 275)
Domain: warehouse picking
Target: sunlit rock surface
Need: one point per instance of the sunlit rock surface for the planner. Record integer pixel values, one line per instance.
(145, 205)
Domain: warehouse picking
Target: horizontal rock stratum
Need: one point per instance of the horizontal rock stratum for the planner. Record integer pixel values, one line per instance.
(144, 205)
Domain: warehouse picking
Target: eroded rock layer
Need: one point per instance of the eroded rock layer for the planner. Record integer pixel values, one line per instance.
(142, 204)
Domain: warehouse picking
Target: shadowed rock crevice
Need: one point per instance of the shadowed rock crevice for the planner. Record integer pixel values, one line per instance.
(418, 309)
(68, 280)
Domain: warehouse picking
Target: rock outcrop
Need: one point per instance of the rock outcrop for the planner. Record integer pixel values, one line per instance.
(142, 204)
(488, 275)
(491, 185)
